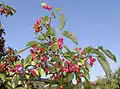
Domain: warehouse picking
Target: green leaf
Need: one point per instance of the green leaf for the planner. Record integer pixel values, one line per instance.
(61, 81)
(88, 49)
(54, 58)
(54, 47)
(41, 72)
(12, 10)
(37, 72)
(20, 87)
(110, 55)
(69, 78)
(28, 61)
(82, 62)
(22, 61)
(22, 50)
(66, 48)
(88, 82)
(53, 14)
(8, 85)
(98, 87)
(27, 76)
(40, 38)
(62, 22)
(71, 36)
(105, 65)
(46, 19)
(13, 85)
(33, 63)
(99, 53)
(87, 66)
(31, 43)
(57, 9)
(68, 55)
(2, 77)
(51, 31)
(40, 27)
(86, 73)
(15, 81)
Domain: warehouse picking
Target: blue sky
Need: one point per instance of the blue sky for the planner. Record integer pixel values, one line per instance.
(94, 22)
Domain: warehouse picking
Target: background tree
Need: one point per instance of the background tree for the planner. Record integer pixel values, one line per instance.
(111, 82)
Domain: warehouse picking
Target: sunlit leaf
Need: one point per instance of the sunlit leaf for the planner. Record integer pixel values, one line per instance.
(71, 36)
(2, 77)
(86, 73)
(57, 10)
(33, 63)
(31, 43)
(28, 60)
(69, 78)
(66, 47)
(46, 19)
(108, 53)
(51, 31)
(99, 53)
(37, 72)
(40, 37)
(54, 47)
(62, 22)
(22, 50)
(22, 61)
(27, 76)
(105, 65)
(41, 72)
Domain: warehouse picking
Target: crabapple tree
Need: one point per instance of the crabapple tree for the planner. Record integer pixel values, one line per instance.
(50, 57)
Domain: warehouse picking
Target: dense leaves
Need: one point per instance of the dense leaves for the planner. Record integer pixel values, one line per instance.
(113, 82)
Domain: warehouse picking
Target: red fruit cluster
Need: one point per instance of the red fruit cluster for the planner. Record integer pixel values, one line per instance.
(71, 67)
(37, 25)
(16, 69)
(91, 82)
(42, 58)
(54, 77)
(11, 70)
(92, 60)
(47, 7)
(60, 42)
(77, 49)
(38, 51)
(32, 71)
(10, 59)
(2, 67)
(37, 65)
(5, 11)
(62, 86)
